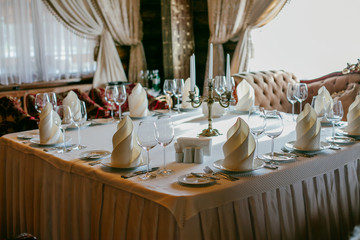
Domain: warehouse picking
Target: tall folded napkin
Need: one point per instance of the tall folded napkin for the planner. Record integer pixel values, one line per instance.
(323, 101)
(216, 111)
(50, 132)
(73, 102)
(246, 96)
(353, 117)
(138, 102)
(126, 153)
(185, 96)
(239, 148)
(308, 128)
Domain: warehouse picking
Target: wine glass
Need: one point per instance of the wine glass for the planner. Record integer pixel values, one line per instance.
(301, 93)
(121, 97)
(220, 84)
(111, 94)
(164, 136)
(274, 127)
(179, 90)
(64, 120)
(257, 123)
(169, 89)
(290, 94)
(318, 103)
(334, 115)
(41, 99)
(79, 122)
(52, 99)
(146, 138)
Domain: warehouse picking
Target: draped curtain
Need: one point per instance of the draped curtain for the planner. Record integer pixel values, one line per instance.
(35, 47)
(122, 17)
(233, 20)
(82, 17)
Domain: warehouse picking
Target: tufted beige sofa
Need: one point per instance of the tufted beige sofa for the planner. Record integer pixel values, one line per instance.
(344, 87)
(270, 88)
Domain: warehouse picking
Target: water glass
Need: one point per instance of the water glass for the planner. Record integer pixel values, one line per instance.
(290, 94)
(274, 127)
(169, 89)
(111, 94)
(64, 120)
(121, 97)
(301, 93)
(257, 124)
(164, 136)
(41, 99)
(79, 122)
(146, 138)
(334, 115)
(179, 90)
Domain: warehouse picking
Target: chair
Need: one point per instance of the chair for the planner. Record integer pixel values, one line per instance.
(270, 88)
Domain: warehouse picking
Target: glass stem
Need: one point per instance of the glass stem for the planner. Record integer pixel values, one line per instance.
(64, 142)
(333, 130)
(257, 146)
(177, 103)
(120, 112)
(293, 110)
(164, 159)
(272, 148)
(148, 161)
(79, 137)
(300, 106)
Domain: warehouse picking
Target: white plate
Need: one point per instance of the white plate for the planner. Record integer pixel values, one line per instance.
(27, 136)
(257, 165)
(107, 162)
(83, 125)
(94, 154)
(101, 121)
(341, 140)
(323, 146)
(342, 131)
(191, 180)
(280, 157)
(36, 140)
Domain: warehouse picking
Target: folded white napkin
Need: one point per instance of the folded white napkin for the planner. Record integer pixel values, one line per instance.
(49, 129)
(73, 102)
(246, 96)
(184, 142)
(185, 96)
(217, 110)
(353, 117)
(239, 148)
(308, 128)
(323, 102)
(138, 102)
(126, 153)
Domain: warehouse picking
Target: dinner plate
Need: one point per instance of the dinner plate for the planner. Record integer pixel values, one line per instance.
(323, 146)
(82, 125)
(94, 154)
(341, 140)
(191, 180)
(280, 157)
(27, 136)
(257, 165)
(107, 162)
(101, 121)
(342, 131)
(36, 140)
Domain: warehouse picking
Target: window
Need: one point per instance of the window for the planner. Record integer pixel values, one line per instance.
(309, 38)
(35, 46)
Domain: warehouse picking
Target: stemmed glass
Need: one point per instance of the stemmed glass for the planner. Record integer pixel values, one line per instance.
(41, 99)
(257, 124)
(164, 136)
(274, 127)
(146, 138)
(220, 84)
(318, 103)
(169, 89)
(52, 99)
(111, 94)
(334, 115)
(64, 120)
(301, 93)
(179, 89)
(121, 97)
(290, 94)
(79, 122)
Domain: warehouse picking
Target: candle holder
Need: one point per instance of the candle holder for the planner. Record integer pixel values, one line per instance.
(196, 101)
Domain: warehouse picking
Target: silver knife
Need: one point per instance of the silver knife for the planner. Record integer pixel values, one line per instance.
(133, 174)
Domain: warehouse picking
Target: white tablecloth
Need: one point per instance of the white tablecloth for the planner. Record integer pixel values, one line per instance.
(59, 196)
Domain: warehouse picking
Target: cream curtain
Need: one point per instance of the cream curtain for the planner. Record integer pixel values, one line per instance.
(233, 20)
(83, 18)
(258, 14)
(124, 23)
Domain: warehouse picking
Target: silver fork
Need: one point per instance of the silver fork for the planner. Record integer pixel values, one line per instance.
(223, 175)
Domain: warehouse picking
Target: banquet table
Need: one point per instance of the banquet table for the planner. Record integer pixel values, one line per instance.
(60, 196)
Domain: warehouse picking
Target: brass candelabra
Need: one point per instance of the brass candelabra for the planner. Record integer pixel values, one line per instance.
(223, 99)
